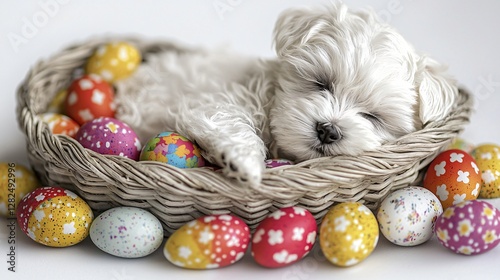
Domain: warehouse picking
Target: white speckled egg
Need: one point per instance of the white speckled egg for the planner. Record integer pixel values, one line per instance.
(127, 232)
(407, 216)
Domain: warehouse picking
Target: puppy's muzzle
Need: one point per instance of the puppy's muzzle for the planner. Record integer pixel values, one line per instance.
(328, 133)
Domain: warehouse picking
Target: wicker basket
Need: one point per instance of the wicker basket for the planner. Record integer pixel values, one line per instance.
(177, 196)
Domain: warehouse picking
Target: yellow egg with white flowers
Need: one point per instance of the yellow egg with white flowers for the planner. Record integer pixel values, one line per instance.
(348, 233)
(114, 61)
(487, 157)
(16, 181)
(54, 217)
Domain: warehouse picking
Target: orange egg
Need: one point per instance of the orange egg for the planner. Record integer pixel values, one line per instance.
(60, 124)
(453, 177)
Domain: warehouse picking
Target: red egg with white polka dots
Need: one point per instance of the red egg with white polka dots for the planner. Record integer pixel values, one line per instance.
(284, 237)
(453, 177)
(208, 242)
(89, 97)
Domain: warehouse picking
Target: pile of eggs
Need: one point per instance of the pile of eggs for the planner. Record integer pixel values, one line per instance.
(86, 111)
(445, 207)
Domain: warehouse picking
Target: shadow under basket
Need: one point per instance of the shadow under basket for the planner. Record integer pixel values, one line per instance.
(177, 196)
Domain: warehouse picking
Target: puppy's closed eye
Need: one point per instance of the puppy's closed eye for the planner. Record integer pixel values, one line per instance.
(322, 86)
(376, 121)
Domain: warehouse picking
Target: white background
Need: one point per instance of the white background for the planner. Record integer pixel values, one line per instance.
(463, 34)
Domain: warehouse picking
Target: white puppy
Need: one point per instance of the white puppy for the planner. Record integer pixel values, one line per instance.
(343, 82)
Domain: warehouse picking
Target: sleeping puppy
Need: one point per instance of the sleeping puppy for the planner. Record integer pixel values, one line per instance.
(343, 83)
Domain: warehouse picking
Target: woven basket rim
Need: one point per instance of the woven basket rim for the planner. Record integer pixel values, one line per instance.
(366, 177)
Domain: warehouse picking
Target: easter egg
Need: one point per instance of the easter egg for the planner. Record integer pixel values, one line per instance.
(15, 182)
(469, 228)
(127, 232)
(461, 144)
(60, 124)
(273, 163)
(109, 136)
(453, 177)
(284, 237)
(407, 216)
(348, 233)
(114, 61)
(173, 149)
(54, 217)
(208, 242)
(89, 97)
(487, 157)
(57, 103)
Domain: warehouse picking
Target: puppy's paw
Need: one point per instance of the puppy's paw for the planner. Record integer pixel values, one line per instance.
(244, 167)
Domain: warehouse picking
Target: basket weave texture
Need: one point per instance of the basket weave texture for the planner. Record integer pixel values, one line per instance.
(177, 196)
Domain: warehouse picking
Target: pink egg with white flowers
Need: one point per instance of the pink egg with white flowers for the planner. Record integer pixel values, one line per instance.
(109, 136)
(284, 237)
(469, 228)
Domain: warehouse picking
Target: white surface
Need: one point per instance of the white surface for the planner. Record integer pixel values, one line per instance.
(462, 34)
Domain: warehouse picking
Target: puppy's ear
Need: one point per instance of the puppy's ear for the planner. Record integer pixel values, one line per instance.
(437, 91)
(296, 26)
(291, 26)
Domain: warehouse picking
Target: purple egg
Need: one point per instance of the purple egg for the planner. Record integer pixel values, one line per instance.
(469, 228)
(109, 136)
(273, 163)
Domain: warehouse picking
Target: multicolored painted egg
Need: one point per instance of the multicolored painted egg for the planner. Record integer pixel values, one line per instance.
(89, 97)
(487, 157)
(348, 233)
(407, 216)
(54, 217)
(284, 237)
(173, 149)
(109, 136)
(208, 242)
(453, 177)
(114, 61)
(127, 232)
(469, 228)
(57, 103)
(60, 124)
(461, 144)
(15, 182)
(272, 163)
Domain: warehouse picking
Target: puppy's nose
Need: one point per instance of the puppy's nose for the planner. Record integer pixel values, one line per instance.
(328, 133)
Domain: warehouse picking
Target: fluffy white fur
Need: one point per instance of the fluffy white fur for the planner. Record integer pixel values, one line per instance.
(334, 68)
